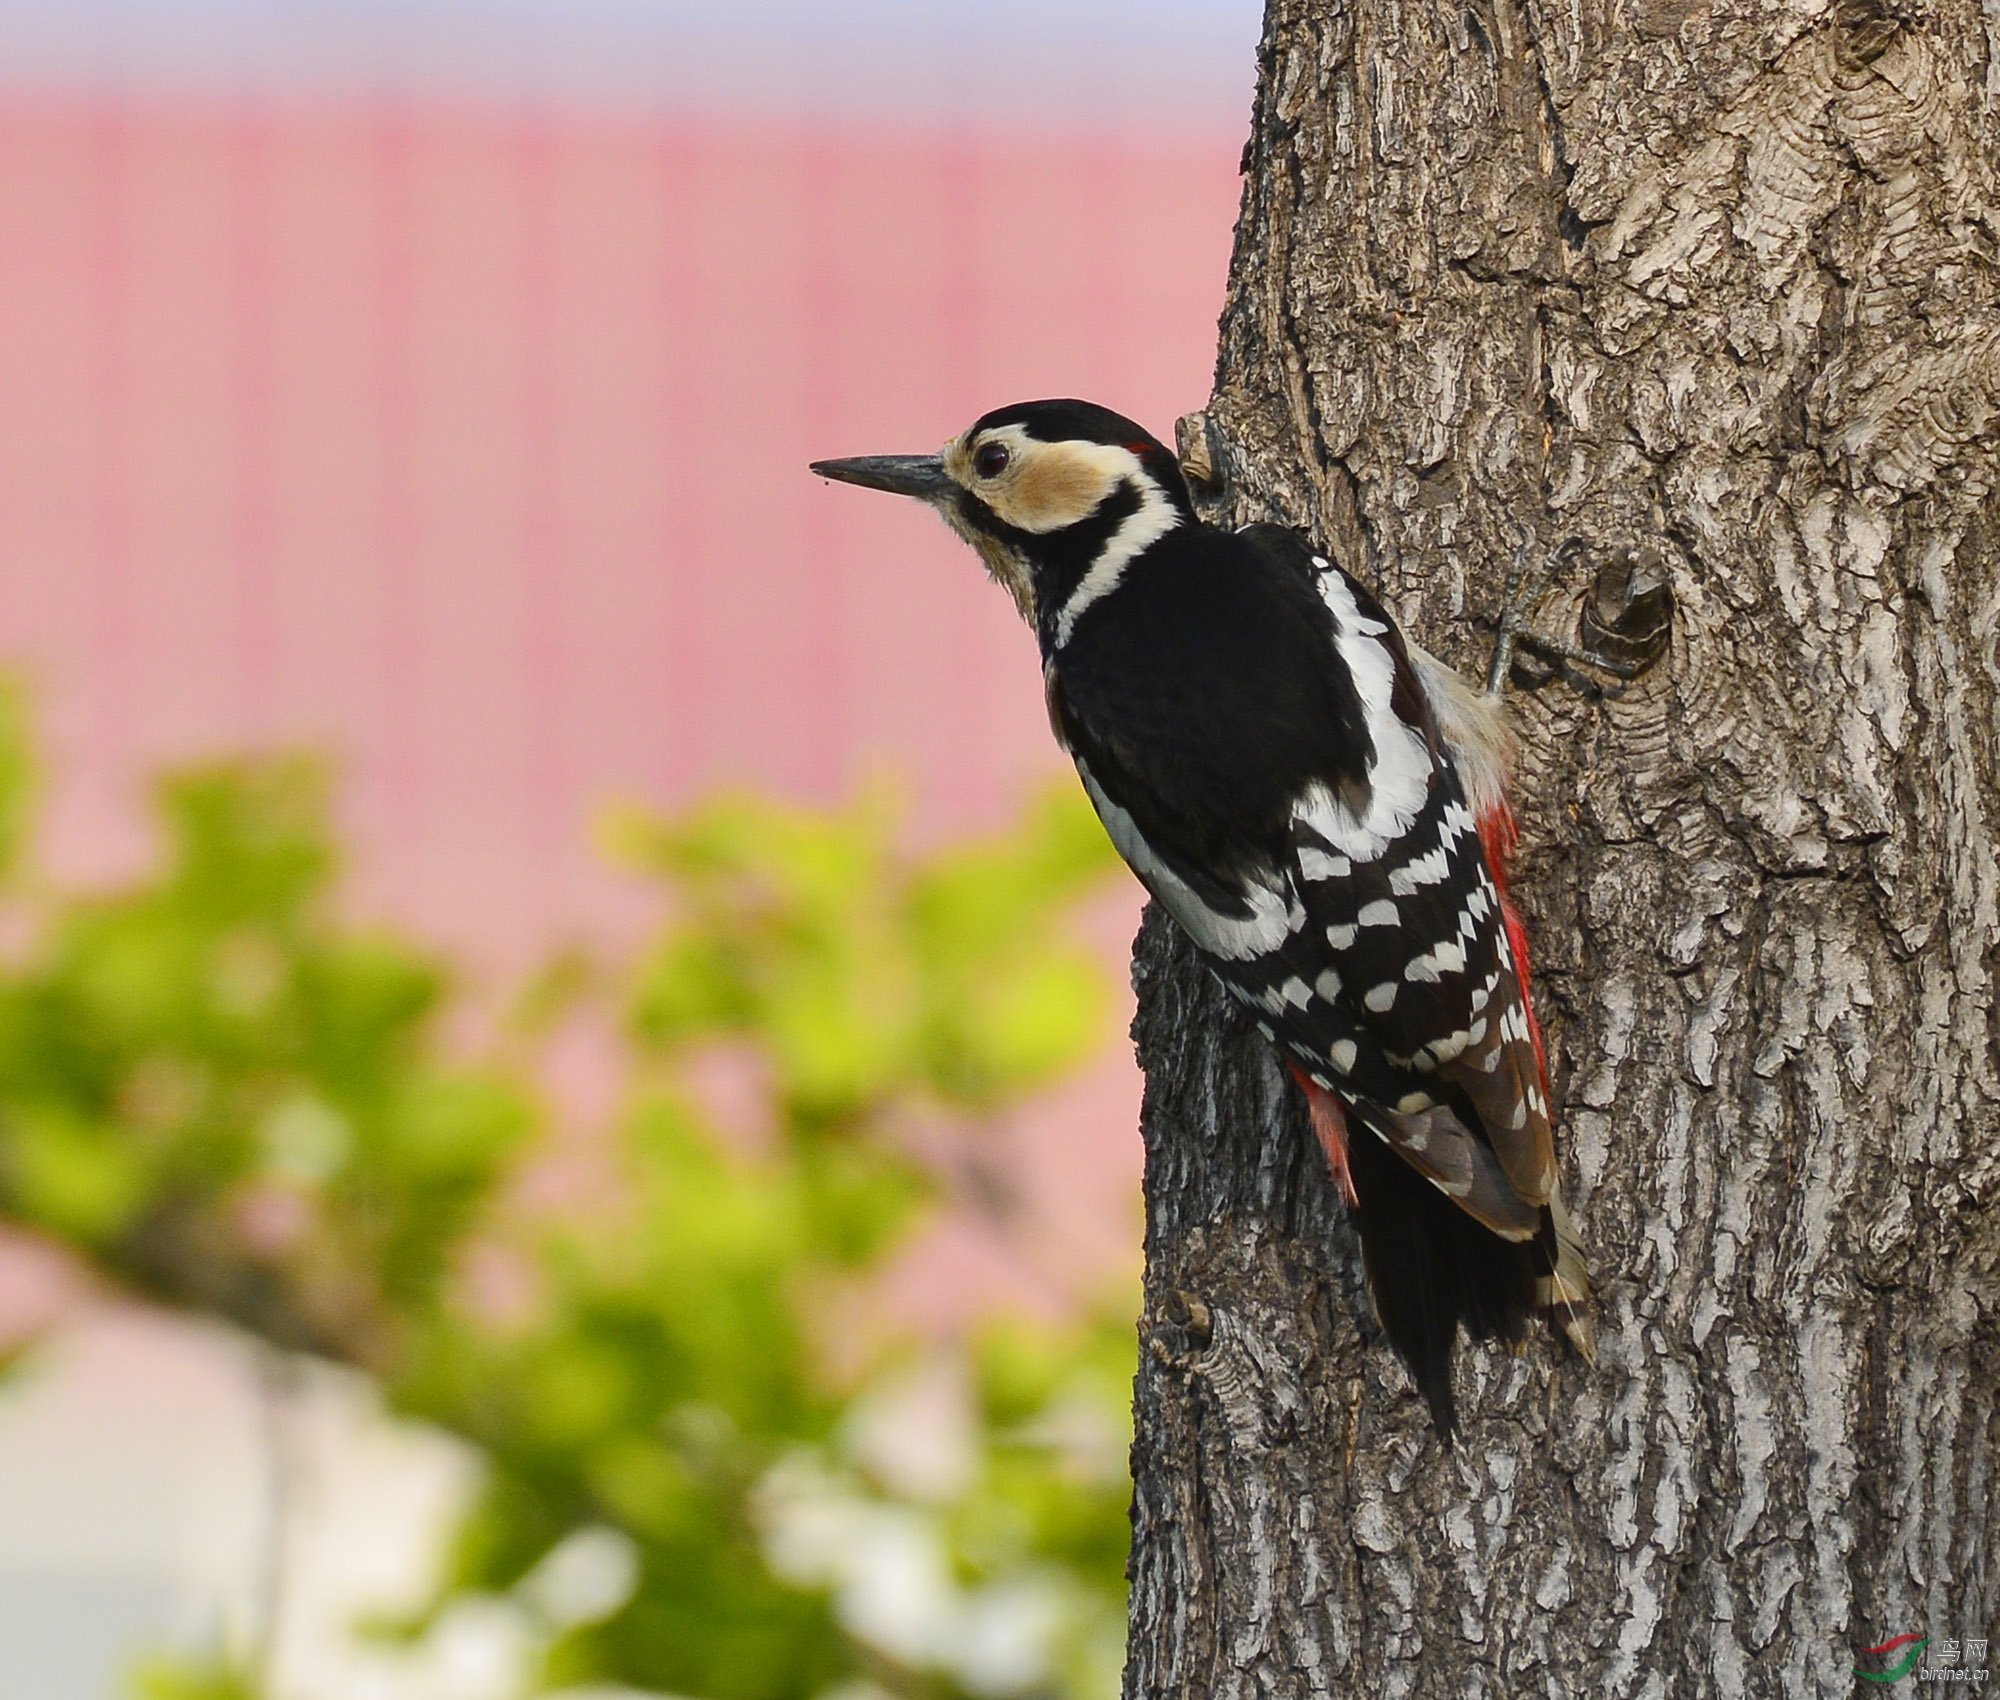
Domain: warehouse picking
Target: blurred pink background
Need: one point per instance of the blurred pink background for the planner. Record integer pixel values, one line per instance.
(432, 384)
(469, 445)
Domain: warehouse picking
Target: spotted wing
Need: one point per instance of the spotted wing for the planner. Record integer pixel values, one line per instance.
(1395, 881)
(1420, 957)
(1347, 900)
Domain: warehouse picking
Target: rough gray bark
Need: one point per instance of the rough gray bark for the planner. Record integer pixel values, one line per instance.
(1722, 284)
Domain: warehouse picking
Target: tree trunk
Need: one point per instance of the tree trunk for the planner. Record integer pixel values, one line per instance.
(1721, 286)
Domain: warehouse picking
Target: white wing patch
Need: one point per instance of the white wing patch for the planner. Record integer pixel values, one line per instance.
(1431, 868)
(1445, 958)
(1316, 864)
(1293, 994)
(1275, 910)
(1399, 776)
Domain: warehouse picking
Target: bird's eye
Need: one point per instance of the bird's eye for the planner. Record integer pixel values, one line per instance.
(990, 459)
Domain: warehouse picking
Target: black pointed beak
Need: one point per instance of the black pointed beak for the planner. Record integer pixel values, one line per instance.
(922, 476)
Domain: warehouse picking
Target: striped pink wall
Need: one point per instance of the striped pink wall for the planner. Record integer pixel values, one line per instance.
(469, 444)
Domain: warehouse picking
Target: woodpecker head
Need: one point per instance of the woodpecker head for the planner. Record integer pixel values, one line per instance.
(1057, 497)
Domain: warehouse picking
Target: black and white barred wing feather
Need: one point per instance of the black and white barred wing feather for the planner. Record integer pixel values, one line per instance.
(1364, 929)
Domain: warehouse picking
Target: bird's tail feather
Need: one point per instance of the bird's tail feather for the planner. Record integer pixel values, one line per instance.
(1433, 1270)
(1562, 1279)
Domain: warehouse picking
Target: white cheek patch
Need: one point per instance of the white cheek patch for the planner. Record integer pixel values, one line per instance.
(1053, 485)
(1275, 910)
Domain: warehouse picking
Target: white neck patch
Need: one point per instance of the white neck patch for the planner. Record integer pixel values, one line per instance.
(1156, 516)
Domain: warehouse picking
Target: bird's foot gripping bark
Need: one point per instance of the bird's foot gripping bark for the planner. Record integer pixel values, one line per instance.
(1625, 622)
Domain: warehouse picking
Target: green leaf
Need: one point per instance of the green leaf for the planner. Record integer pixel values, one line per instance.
(174, 1679)
(17, 774)
(71, 1176)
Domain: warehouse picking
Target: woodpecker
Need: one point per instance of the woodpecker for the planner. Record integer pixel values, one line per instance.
(1321, 806)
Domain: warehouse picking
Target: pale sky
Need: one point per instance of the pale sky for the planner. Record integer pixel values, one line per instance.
(1117, 59)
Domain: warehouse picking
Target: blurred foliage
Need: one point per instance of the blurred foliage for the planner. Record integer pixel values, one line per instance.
(168, 1679)
(698, 1461)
